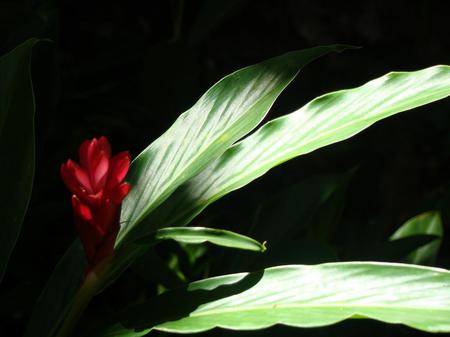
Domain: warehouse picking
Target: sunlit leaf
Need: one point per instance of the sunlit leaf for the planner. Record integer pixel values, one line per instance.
(197, 235)
(299, 296)
(225, 113)
(325, 120)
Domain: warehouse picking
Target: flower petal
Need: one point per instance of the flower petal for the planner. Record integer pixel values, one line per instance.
(85, 149)
(106, 248)
(101, 172)
(75, 178)
(90, 237)
(87, 238)
(105, 216)
(93, 200)
(119, 193)
(67, 175)
(98, 191)
(82, 178)
(119, 166)
(104, 146)
(81, 210)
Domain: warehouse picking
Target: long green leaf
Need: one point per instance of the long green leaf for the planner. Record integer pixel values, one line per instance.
(325, 120)
(16, 144)
(427, 223)
(226, 112)
(297, 207)
(53, 303)
(194, 235)
(395, 250)
(299, 296)
(287, 221)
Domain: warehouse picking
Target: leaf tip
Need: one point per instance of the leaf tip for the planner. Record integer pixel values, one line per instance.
(264, 246)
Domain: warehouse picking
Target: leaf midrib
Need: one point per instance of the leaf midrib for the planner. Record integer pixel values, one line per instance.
(201, 153)
(289, 150)
(337, 305)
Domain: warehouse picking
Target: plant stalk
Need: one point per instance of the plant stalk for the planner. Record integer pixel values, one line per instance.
(89, 288)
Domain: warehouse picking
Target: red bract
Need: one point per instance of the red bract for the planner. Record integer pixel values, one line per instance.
(98, 190)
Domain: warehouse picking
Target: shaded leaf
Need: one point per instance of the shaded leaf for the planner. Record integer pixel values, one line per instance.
(295, 207)
(398, 249)
(59, 291)
(288, 221)
(428, 223)
(210, 15)
(159, 271)
(16, 144)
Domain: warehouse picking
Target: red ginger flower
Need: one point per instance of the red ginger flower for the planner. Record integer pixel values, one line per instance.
(98, 190)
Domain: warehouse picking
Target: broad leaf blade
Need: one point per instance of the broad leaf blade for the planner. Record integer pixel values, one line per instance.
(325, 120)
(396, 250)
(428, 223)
(58, 293)
(16, 152)
(295, 208)
(226, 112)
(299, 296)
(157, 182)
(196, 235)
(287, 220)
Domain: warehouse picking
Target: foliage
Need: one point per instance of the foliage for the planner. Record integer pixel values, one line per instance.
(175, 261)
(17, 153)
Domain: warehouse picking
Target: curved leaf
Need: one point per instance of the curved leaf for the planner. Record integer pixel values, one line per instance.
(16, 152)
(229, 110)
(298, 207)
(288, 220)
(226, 112)
(218, 237)
(325, 120)
(428, 223)
(55, 299)
(396, 250)
(299, 296)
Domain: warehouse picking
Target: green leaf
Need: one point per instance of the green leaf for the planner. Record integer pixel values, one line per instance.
(55, 299)
(299, 296)
(240, 101)
(212, 14)
(197, 235)
(325, 120)
(396, 250)
(159, 273)
(428, 223)
(324, 222)
(16, 144)
(226, 112)
(297, 207)
(295, 211)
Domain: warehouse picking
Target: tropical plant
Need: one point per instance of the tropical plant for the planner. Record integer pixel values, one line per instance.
(207, 153)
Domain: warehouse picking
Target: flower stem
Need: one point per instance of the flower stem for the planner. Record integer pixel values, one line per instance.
(87, 291)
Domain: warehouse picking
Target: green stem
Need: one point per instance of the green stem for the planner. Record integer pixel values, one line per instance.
(87, 291)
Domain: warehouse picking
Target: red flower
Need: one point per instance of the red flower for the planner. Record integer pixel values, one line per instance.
(98, 191)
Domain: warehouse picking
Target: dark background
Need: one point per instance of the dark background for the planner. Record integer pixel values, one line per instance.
(127, 69)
